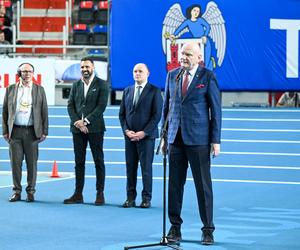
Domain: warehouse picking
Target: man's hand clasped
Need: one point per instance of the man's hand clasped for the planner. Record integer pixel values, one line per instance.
(135, 136)
(81, 126)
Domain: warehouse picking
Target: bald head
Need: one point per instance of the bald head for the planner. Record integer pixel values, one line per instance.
(140, 73)
(190, 55)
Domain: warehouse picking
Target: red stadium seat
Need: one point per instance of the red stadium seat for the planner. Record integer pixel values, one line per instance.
(103, 5)
(86, 12)
(81, 34)
(86, 5)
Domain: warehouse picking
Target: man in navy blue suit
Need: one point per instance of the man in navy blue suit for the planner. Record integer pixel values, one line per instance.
(194, 131)
(140, 113)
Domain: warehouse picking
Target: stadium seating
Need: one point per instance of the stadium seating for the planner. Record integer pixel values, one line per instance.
(81, 34)
(101, 13)
(99, 35)
(86, 12)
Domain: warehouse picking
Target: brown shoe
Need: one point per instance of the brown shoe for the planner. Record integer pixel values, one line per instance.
(76, 198)
(99, 199)
(30, 198)
(15, 197)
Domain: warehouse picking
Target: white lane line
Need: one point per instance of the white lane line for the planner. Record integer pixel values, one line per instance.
(161, 178)
(66, 116)
(260, 141)
(159, 164)
(123, 150)
(258, 181)
(260, 130)
(262, 110)
(260, 153)
(261, 119)
(224, 118)
(223, 129)
(70, 137)
(223, 140)
(216, 180)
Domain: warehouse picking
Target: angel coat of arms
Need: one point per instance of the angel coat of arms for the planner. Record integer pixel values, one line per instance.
(208, 29)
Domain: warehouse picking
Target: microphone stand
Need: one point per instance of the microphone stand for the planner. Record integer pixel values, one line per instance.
(164, 241)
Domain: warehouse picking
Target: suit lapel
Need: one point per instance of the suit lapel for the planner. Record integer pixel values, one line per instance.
(198, 75)
(143, 94)
(34, 94)
(131, 96)
(15, 95)
(93, 84)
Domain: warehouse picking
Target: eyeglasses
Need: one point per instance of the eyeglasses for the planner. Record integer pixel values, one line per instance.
(26, 71)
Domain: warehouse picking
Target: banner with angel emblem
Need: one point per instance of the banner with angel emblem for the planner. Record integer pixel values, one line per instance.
(251, 45)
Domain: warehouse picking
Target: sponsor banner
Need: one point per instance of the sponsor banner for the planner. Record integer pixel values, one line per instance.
(44, 74)
(69, 70)
(251, 45)
(47, 72)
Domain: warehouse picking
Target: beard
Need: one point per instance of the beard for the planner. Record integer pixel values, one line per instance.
(86, 74)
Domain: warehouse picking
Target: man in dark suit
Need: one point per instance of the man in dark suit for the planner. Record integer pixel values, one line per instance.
(24, 125)
(86, 105)
(194, 131)
(140, 113)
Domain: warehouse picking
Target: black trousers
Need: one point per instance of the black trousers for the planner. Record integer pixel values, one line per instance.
(180, 155)
(141, 151)
(80, 141)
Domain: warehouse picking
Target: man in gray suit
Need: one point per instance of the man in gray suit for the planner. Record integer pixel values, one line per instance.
(24, 125)
(86, 105)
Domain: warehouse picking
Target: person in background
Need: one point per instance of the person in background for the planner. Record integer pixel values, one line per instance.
(289, 99)
(194, 132)
(24, 125)
(3, 42)
(86, 105)
(140, 113)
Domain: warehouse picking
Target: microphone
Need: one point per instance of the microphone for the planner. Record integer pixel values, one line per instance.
(181, 72)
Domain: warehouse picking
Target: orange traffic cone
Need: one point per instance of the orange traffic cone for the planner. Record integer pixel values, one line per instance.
(54, 171)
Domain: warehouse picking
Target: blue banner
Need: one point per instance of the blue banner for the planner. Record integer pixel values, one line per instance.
(251, 45)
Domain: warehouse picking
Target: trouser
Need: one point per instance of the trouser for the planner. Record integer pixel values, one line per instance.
(198, 157)
(141, 151)
(80, 141)
(23, 142)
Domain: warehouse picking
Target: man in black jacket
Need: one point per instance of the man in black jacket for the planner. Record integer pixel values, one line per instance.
(140, 113)
(86, 105)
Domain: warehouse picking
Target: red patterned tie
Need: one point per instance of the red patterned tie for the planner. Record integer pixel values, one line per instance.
(185, 84)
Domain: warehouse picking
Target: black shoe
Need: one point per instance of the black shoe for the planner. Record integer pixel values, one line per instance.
(128, 203)
(207, 238)
(99, 199)
(15, 197)
(145, 204)
(174, 234)
(30, 198)
(76, 198)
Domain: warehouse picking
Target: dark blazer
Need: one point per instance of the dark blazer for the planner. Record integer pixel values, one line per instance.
(200, 109)
(39, 110)
(91, 107)
(147, 112)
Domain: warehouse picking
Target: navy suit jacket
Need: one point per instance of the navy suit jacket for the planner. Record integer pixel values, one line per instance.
(198, 114)
(146, 115)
